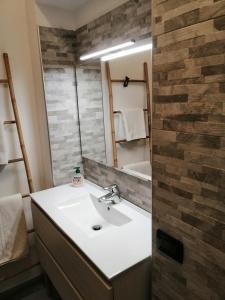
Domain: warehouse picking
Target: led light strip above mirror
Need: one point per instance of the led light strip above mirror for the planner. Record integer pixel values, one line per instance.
(107, 50)
(127, 52)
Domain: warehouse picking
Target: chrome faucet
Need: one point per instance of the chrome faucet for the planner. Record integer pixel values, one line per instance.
(113, 197)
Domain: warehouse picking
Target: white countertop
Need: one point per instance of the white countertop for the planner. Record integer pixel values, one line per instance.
(112, 253)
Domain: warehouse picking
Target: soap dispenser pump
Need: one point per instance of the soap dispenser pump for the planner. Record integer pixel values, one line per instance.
(78, 178)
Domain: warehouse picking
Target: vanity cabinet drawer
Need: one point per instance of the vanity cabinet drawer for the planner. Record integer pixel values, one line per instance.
(55, 273)
(82, 275)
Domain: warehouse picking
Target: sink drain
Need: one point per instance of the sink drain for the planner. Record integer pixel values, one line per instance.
(97, 227)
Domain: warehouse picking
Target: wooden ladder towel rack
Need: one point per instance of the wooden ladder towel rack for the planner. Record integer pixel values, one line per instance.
(113, 112)
(24, 157)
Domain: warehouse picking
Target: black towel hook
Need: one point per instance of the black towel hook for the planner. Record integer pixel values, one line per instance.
(126, 81)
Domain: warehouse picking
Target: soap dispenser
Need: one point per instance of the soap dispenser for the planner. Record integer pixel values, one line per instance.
(78, 178)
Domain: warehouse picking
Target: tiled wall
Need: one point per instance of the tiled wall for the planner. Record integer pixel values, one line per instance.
(57, 47)
(189, 146)
(133, 189)
(89, 91)
(131, 20)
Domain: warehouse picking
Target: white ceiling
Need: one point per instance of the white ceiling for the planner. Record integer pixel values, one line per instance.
(64, 4)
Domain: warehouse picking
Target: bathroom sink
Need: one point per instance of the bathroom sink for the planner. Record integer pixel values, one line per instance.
(92, 216)
(105, 236)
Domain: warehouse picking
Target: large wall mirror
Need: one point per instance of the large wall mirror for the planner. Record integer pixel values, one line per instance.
(114, 103)
(99, 106)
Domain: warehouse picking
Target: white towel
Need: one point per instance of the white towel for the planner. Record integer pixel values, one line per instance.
(13, 232)
(119, 127)
(134, 123)
(3, 147)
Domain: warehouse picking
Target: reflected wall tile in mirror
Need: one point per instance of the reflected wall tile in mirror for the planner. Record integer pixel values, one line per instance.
(131, 20)
(133, 189)
(57, 49)
(89, 93)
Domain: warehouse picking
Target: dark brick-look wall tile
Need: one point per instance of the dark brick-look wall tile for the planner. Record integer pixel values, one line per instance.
(189, 146)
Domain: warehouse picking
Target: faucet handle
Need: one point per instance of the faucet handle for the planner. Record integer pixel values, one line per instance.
(109, 188)
(113, 189)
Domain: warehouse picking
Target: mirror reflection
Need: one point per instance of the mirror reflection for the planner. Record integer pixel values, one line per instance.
(114, 103)
(91, 114)
(97, 81)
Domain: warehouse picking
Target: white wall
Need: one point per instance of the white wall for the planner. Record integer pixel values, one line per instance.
(54, 17)
(94, 9)
(18, 33)
(59, 18)
(132, 96)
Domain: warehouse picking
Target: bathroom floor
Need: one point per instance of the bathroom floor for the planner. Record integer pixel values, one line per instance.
(32, 291)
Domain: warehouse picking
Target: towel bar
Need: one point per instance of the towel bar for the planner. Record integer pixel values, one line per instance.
(10, 122)
(125, 141)
(25, 195)
(119, 112)
(3, 81)
(131, 80)
(11, 161)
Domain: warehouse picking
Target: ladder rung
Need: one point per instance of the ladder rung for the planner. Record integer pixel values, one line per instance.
(15, 160)
(119, 112)
(3, 81)
(10, 122)
(25, 195)
(125, 141)
(131, 80)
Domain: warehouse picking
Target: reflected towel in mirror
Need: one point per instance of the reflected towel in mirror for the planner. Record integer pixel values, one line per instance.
(119, 127)
(3, 146)
(134, 123)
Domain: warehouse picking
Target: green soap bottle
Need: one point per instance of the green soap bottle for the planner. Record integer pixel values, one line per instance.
(78, 178)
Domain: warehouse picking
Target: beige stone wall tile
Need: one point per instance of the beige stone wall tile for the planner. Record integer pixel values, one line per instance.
(189, 32)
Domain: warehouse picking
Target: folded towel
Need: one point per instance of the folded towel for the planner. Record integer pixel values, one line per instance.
(119, 127)
(134, 123)
(13, 231)
(3, 148)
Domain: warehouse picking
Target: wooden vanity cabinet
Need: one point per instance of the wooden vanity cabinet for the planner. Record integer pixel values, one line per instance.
(75, 276)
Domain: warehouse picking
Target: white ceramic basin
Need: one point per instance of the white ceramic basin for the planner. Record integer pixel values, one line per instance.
(124, 239)
(92, 217)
